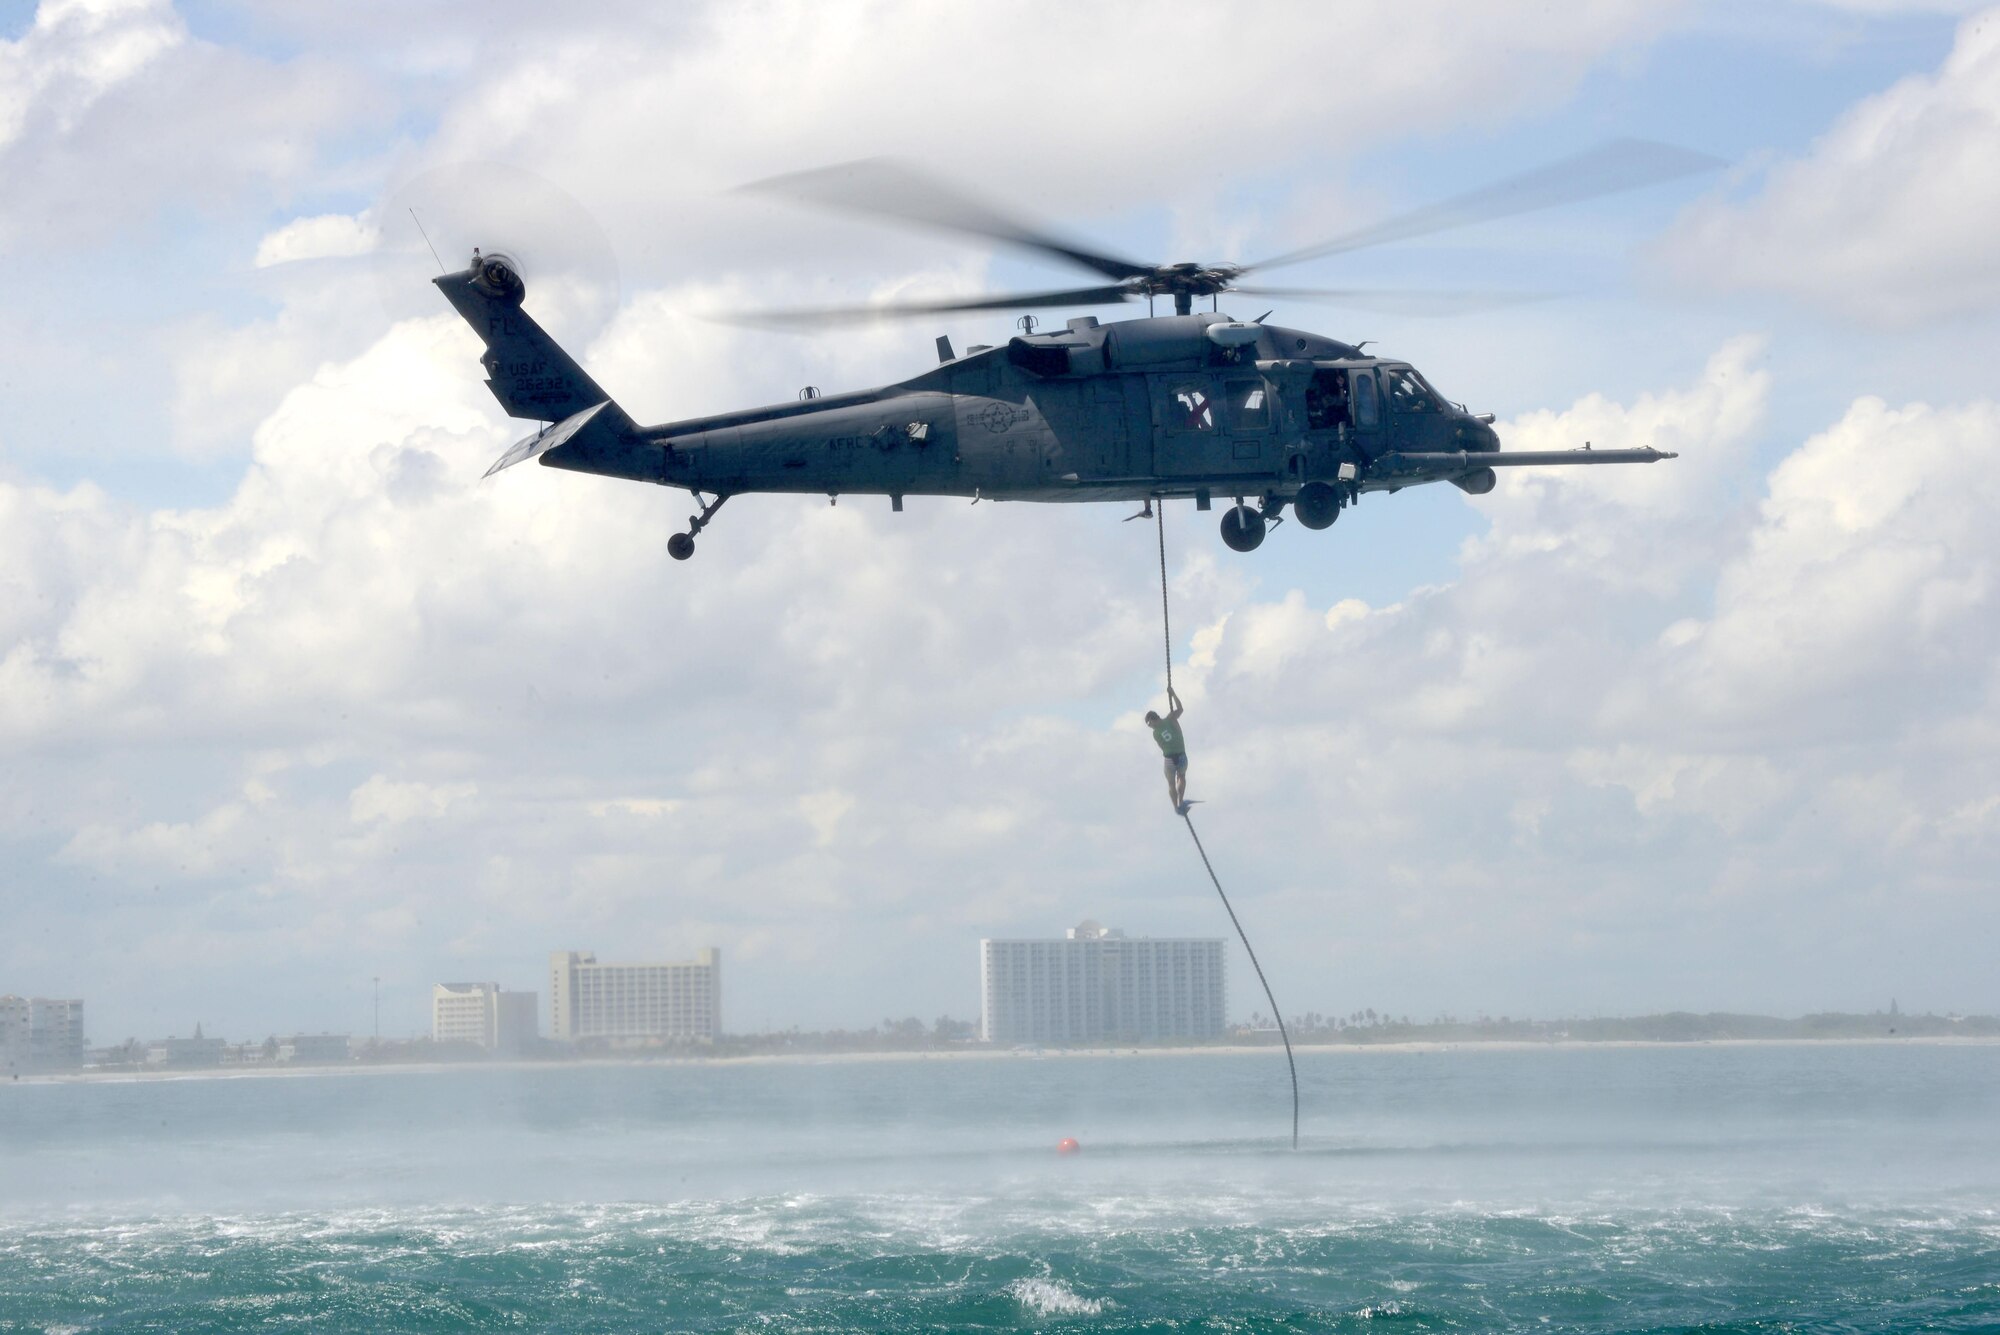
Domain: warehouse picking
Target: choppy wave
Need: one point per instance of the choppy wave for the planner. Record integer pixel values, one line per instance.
(807, 1262)
(1845, 1191)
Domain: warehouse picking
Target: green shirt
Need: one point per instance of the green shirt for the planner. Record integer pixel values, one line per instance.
(1168, 735)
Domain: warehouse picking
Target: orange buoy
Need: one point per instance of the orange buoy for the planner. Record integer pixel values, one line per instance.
(1067, 1145)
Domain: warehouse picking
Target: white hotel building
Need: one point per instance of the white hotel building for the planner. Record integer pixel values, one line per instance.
(673, 1002)
(483, 1015)
(1096, 984)
(40, 1034)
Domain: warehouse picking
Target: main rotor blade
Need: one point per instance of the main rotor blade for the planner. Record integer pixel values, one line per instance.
(1395, 301)
(831, 315)
(1611, 167)
(890, 189)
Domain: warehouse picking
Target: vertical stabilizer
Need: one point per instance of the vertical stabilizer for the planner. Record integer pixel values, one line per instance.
(530, 375)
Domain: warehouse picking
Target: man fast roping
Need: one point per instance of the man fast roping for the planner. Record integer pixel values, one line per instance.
(1167, 732)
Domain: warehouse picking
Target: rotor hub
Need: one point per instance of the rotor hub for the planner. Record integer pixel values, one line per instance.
(1187, 279)
(498, 276)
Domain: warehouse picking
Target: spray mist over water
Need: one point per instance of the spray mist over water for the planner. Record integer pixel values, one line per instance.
(1581, 1185)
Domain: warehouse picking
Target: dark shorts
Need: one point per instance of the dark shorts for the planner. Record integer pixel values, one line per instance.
(1176, 764)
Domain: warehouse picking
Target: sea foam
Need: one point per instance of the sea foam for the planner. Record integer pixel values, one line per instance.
(1052, 1297)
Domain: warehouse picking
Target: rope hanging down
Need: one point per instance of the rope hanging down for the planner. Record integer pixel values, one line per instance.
(1166, 620)
(1289, 1063)
(1167, 639)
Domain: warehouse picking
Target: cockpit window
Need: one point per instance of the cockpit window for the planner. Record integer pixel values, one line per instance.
(1249, 406)
(1193, 410)
(1409, 394)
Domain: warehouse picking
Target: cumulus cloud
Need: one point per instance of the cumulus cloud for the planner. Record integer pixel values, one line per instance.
(110, 109)
(361, 713)
(1868, 580)
(361, 601)
(1584, 517)
(384, 800)
(167, 849)
(1889, 217)
(441, 721)
(324, 236)
(73, 53)
(790, 84)
(1645, 724)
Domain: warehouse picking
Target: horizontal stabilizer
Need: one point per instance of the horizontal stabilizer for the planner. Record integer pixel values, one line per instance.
(533, 447)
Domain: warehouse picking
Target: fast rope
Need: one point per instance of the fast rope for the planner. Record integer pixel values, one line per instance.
(1166, 618)
(1167, 635)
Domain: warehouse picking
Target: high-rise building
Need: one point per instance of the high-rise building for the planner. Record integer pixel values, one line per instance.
(1096, 985)
(40, 1034)
(483, 1015)
(517, 1021)
(676, 1001)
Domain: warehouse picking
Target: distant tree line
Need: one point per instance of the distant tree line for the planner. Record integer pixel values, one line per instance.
(1368, 1026)
(1364, 1027)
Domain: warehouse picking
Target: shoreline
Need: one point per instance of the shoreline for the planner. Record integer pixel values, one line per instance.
(1414, 1047)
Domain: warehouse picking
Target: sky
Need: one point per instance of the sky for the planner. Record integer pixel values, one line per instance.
(291, 700)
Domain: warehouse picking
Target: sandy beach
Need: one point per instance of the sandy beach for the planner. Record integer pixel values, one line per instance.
(1055, 1054)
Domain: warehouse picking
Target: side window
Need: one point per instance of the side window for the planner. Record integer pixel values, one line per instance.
(1407, 394)
(1189, 408)
(1367, 411)
(1249, 405)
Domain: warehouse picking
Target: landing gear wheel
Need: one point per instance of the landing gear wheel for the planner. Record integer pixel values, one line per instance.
(1317, 505)
(1242, 529)
(681, 545)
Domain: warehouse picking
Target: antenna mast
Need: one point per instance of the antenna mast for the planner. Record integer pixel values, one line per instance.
(427, 238)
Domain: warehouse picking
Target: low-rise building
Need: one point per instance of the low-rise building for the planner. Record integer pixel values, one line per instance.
(1098, 985)
(186, 1053)
(314, 1049)
(674, 1002)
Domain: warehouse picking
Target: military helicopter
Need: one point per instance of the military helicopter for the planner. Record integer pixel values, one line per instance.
(1190, 405)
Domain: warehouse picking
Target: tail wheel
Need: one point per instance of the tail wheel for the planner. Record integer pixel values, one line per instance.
(1317, 505)
(680, 546)
(1242, 529)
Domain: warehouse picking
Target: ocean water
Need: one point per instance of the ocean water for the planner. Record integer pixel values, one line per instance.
(1702, 1188)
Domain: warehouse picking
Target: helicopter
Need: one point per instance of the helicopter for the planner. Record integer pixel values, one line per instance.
(1193, 405)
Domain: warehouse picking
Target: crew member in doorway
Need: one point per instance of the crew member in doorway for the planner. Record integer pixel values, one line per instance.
(1326, 401)
(1167, 732)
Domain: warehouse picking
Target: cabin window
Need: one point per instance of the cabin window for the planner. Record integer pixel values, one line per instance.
(1189, 408)
(1409, 394)
(1367, 410)
(1249, 405)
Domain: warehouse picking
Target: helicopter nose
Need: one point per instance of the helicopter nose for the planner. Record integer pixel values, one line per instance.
(1474, 434)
